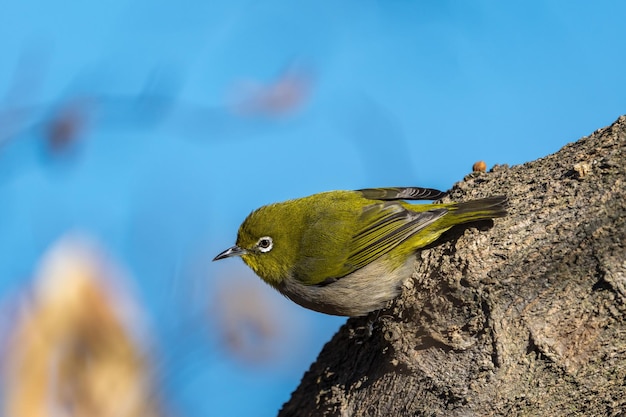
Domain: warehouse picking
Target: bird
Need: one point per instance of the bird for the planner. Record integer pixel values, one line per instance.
(347, 253)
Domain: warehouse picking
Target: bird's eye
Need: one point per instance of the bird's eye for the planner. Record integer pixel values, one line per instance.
(265, 244)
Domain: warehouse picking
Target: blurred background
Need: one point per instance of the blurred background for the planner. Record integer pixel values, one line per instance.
(136, 135)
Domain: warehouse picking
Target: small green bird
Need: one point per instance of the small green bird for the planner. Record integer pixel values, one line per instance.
(347, 253)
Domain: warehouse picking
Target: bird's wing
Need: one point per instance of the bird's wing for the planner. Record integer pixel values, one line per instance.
(383, 227)
(374, 229)
(402, 193)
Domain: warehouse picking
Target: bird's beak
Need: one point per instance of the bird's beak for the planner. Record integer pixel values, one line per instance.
(232, 251)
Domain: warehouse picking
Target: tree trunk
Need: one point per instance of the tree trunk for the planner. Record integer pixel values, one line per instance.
(527, 317)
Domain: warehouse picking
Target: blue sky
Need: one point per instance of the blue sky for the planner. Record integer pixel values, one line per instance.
(397, 93)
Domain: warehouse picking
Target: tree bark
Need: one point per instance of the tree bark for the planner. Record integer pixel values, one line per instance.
(524, 316)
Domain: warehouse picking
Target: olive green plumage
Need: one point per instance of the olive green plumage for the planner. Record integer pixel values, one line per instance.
(348, 252)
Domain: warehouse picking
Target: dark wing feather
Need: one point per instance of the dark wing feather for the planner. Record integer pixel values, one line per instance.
(385, 226)
(402, 193)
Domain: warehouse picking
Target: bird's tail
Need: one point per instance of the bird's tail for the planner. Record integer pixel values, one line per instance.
(481, 209)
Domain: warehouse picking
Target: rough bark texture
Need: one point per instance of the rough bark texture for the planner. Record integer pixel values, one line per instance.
(527, 317)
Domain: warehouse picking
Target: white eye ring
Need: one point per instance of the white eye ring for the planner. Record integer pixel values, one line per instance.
(265, 244)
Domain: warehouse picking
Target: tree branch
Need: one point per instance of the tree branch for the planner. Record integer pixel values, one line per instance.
(527, 317)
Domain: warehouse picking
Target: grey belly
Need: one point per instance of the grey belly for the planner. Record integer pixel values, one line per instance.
(365, 290)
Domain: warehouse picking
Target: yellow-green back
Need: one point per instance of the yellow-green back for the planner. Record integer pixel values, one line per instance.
(326, 236)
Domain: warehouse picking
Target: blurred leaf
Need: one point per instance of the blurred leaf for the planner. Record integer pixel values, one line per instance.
(71, 352)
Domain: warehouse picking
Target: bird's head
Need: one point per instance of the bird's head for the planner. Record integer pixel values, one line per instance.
(268, 242)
